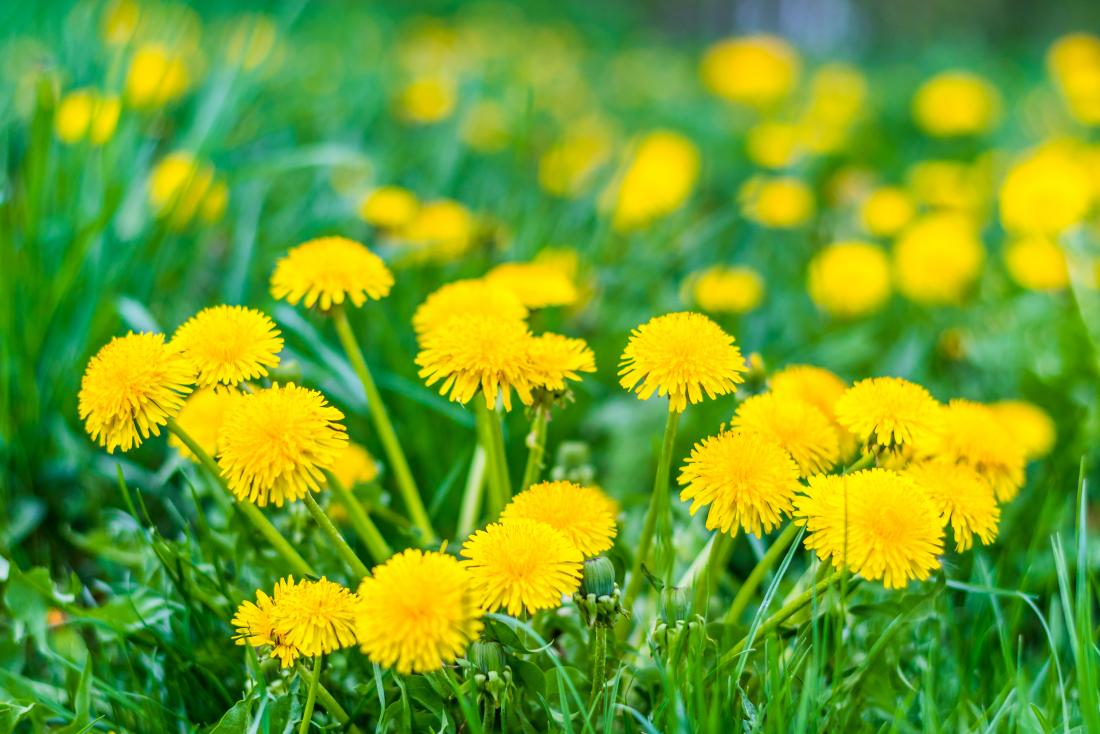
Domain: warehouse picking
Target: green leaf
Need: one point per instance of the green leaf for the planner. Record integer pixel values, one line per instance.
(235, 720)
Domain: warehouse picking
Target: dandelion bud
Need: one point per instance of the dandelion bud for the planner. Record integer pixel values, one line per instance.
(599, 577)
(675, 605)
(486, 656)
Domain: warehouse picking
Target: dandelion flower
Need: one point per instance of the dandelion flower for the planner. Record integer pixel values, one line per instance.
(130, 388)
(747, 482)
(820, 388)
(585, 515)
(802, 430)
(876, 522)
(471, 297)
(849, 279)
(156, 76)
(658, 178)
(1029, 425)
(316, 617)
(201, 418)
(479, 352)
(973, 434)
(783, 202)
(721, 289)
(255, 627)
(1047, 191)
(276, 443)
(955, 103)
(441, 231)
(681, 355)
(938, 258)
(417, 612)
(388, 207)
(229, 344)
(536, 285)
(962, 496)
(757, 70)
(354, 465)
(1037, 263)
(886, 211)
(556, 358)
(890, 413)
(327, 271)
(87, 114)
(522, 565)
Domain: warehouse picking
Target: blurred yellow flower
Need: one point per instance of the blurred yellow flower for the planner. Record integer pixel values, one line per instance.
(535, 284)
(777, 203)
(119, 21)
(229, 344)
(772, 144)
(820, 388)
(388, 207)
(886, 211)
(157, 75)
(947, 184)
(354, 465)
(86, 114)
(972, 433)
(567, 168)
(1074, 63)
(659, 176)
(182, 189)
(1029, 425)
(954, 103)
(441, 231)
(726, 289)
(1037, 263)
(890, 413)
(485, 127)
(797, 426)
(327, 270)
(938, 258)
(471, 297)
(962, 496)
(849, 279)
(584, 515)
(426, 100)
(757, 71)
(1046, 191)
(201, 418)
(556, 358)
(837, 98)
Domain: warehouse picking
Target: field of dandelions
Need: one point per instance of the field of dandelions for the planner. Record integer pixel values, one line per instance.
(365, 370)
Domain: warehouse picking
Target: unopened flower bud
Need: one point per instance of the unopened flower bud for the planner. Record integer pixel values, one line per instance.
(486, 656)
(599, 576)
(675, 605)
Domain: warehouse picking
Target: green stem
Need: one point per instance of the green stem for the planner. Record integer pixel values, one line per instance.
(500, 486)
(488, 715)
(248, 509)
(657, 514)
(599, 664)
(752, 583)
(471, 496)
(311, 697)
(406, 485)
(342, 547)
(862, 462)
(366, 529)
(707, 582)
(536, 442)
(335, 709)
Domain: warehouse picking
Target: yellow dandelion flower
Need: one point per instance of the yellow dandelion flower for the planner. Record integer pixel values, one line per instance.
(254, 625)
(955, 103)
(276, 443)
(417, 612)
(427, 100)
(316, 617)
(328, 270)
(585, 515)
(87, 113)
(229, 344)
(567, 168)
(441, 231)
(876, 522)
(556, 358)
(522, 565)
(849, 279)
(201, 418)
(820, 388)
(388, 207)
(130, 388)
(1029, 425)
(962, 496)
(472, 297)
(682, 355)
(1037, 263)
(938, 258)
(886, 211)
(722, 289)
(973, 434)
(479, 352)
(659, 176)
(771, 144)
(181, 188)
(757, 70)
(537, 285)
(1047, 191)
(890, 413)
(156, 76)
(354, 465)
(801, 429)
(746, 481)
(783, 202)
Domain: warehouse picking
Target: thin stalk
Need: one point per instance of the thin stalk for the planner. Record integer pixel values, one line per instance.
(248, 509)
(364, 527)
(342, 547)
(752, 583)
(471, 496)
(536, 443)
(864, 461)
(406, 485)
(657, 512)
(599, 664)
(500, 486)
(707, 582)
(488, 715)
(311, 697)
(328, 703)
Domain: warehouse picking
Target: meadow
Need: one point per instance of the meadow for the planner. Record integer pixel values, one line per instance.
(474, 368)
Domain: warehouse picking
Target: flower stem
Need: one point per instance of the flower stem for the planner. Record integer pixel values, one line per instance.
(656, 517)
(335, 709)
(500, 486)
(862, 462)
(752, 583)
(248, 509)
(342, 547)
(311, 697)
(471, 496)
(599, 664)
(707, 582)
(406, 485)
(536, 442)
(366, 529)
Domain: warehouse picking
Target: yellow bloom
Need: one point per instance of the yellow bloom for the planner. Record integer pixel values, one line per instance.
(886, 211)
(354, 465)
(156, 76)
(973, 434)
(955, 103)
(181, 188)
(520, 565)
(722, 289)
(1046, 192)
(327, 270)
(1037, 263)
(1074, 63)
(441, 231)
(963, 498)
(388, 207)
(87, 113)
(119, 21)
(681, 355)
(820, 388)
(659, 177)
(890, 413)
(427, 100)
(485, 127)
(849, 279)
(584, 515)
(838, 96)
(746, 480)
(753, 70)
(948, 184)
(876, 522)
(201, 418)
(556, 358)
(276, 443)
(130, 388)
(417, 612)
(254, 625)
(536, 285)
(777, 203)
(472, 297)
(801, 429)
(479, 352)
(569, 165)
(938, 258)
(1029, 425)
(229, 344)
(774, 144)
(314, 617)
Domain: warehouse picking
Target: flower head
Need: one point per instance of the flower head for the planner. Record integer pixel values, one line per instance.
(156, 76)
(1029, 425)
(876, 522)
(466, 298)
(754, 70)
(1046, 192)
(681, 355)
(973, 434)
(315, 617)
(201, 418)
(746, 480)
(1037, 262)
(276, 443)
(658, 178)
(354, 465)
(389, 207)
(820, 388)
(417, 612)
(849, 279)
(441, 231)
(479, 352)
(722, 289)
(963, 497)
(556, 358)
(886, 211)
(801, 429)
(781, 202)
(131, 387)
(938, 258)
(229, 344)
(522, 564)
(955, 103)
(889, 412)
(328, 270)
(87, 114)
(585, 515)
(535, 284)
(256, 627)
